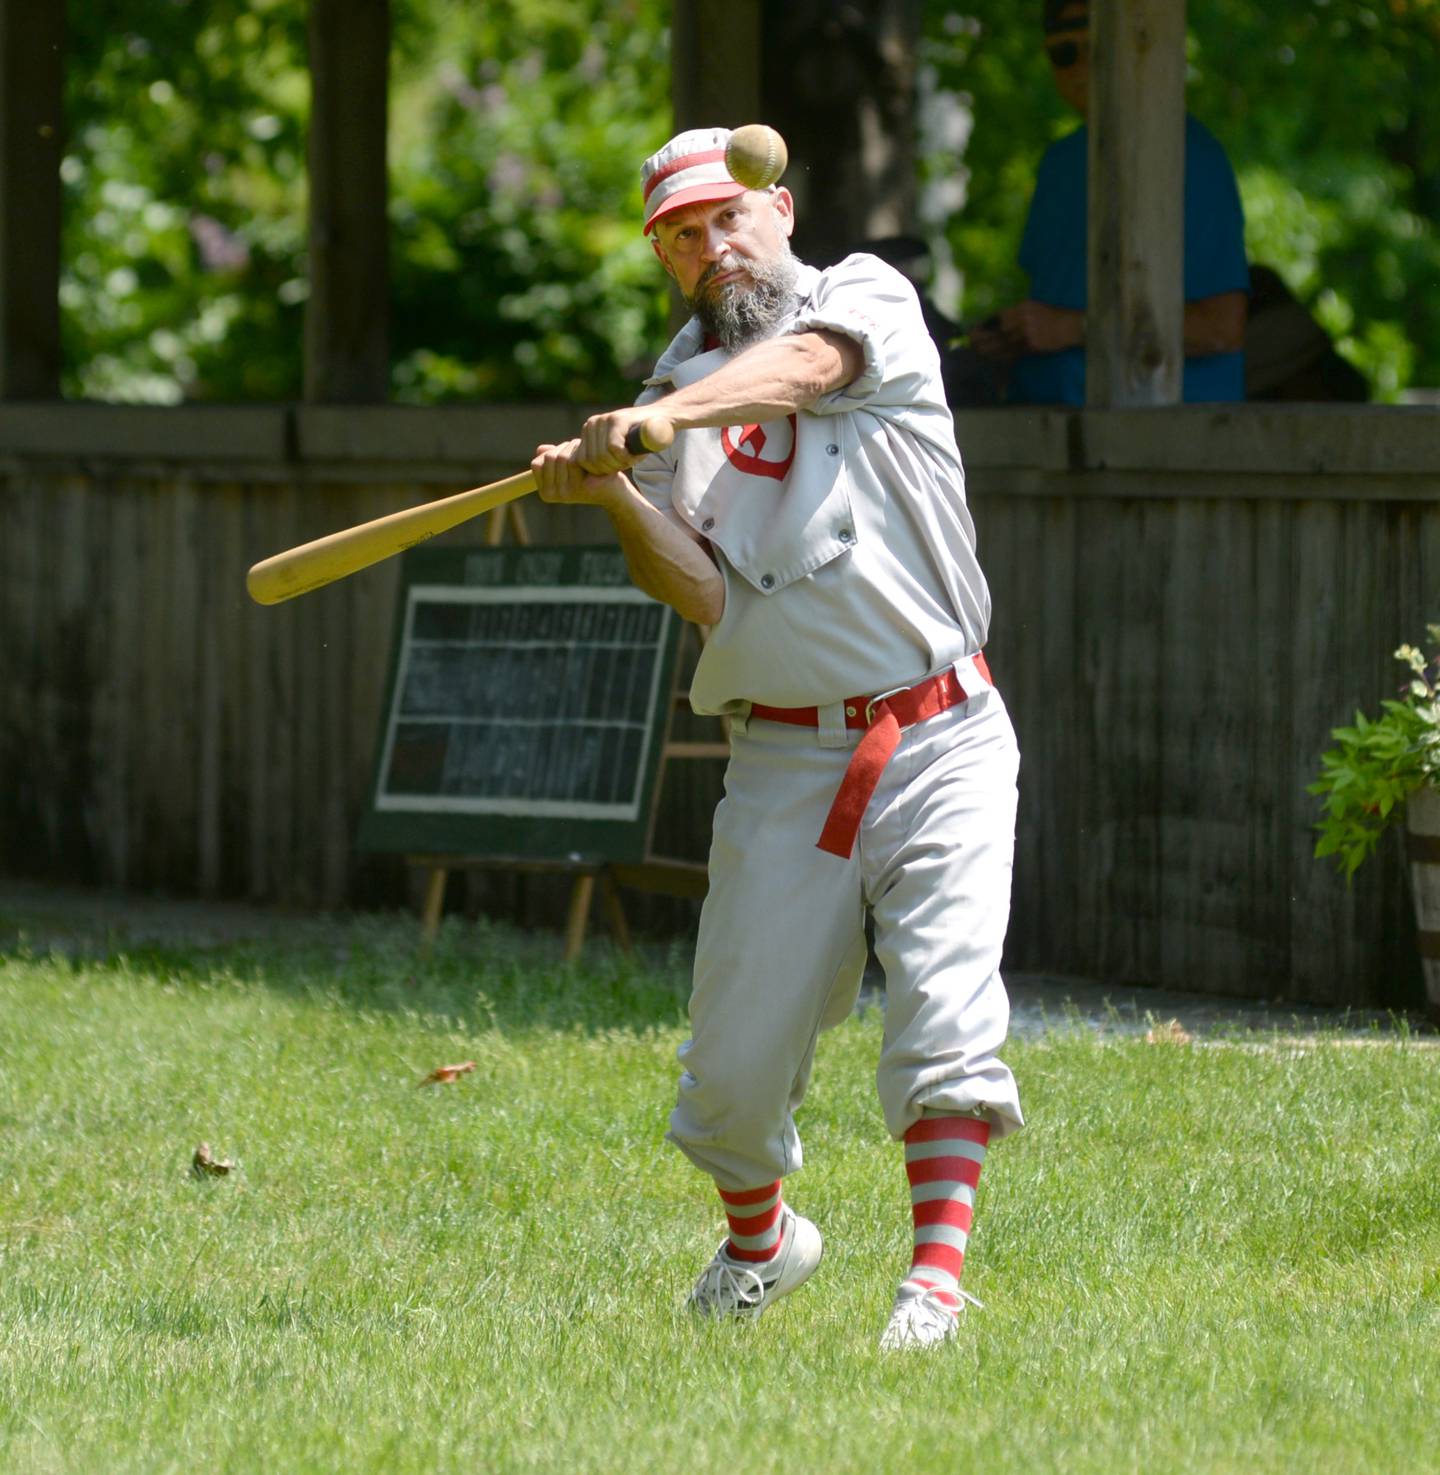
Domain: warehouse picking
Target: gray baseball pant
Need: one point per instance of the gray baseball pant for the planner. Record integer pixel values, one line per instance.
(781, 948)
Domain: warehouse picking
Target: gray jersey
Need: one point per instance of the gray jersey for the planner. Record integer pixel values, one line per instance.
(842, 532)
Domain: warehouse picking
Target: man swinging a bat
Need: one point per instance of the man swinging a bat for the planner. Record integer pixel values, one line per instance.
(811, 510)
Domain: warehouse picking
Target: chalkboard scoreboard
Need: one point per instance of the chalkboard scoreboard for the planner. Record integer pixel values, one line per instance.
(528, 700)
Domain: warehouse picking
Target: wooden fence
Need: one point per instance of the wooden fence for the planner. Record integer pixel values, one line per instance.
(1185, 602)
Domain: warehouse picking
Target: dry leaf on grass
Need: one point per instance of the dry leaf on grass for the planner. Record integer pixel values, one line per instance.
(205, 1164)
(1172, 1032)
(443, 1074)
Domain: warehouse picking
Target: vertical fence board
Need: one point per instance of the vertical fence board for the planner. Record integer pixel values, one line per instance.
(154, 818)
(113, 523)
(1208, 705)
(1395, 607)
(335, 734)
(1125, 574)
(205, 539)
(1324, 950)
(19, 561)
(229, 558)
(1054, 730)
(1278, 803)
(182, 719)
(255, 690)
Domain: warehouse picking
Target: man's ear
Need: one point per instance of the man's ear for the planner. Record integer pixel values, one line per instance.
(782, 202)
(664, 259)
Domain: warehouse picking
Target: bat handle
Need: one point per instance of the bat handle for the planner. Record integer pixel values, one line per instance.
(654, 434)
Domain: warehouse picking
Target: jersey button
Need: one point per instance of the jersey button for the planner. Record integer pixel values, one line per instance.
(767, 581)
(846, 536)
(707, 524)
(832, 450)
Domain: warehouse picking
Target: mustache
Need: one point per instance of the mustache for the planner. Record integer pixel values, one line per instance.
(717, 269)
(752, 306)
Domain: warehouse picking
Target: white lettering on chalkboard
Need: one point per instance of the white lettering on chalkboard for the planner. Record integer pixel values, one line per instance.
(485, 568)
(601, 569)
(540, 566)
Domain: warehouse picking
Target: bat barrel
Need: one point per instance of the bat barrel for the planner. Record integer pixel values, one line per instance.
(313, 565)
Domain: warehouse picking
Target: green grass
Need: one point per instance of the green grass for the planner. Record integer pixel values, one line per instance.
(1196, 1258)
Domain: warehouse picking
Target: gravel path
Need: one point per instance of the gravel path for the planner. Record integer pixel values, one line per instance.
(82, 921)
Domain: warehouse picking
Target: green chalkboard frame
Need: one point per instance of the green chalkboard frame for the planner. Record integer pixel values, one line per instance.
(568, 840)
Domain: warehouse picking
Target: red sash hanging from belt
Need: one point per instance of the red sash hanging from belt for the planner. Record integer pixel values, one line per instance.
(882, 719)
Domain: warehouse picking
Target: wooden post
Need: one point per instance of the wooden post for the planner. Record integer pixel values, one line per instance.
(715, 64)
(347, 339)
(32, 74)
(1134, 322)
(839, 82)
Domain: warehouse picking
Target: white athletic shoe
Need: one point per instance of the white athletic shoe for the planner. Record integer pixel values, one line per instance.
(732, 1288)
(921, 1318)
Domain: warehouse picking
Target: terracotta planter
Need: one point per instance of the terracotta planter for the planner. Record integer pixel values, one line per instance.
(1422, 821)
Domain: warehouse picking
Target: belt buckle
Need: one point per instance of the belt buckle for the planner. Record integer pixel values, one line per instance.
(876, 700)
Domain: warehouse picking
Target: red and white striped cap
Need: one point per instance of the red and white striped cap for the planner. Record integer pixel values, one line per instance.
(690, 168)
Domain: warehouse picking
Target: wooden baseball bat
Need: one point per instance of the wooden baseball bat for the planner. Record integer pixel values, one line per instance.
(315, 564)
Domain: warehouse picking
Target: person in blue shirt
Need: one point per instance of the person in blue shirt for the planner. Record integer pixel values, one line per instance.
(1041, 340)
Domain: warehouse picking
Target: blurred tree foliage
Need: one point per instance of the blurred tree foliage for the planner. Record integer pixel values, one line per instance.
(1329, 110)
(516, 129)
(184, 198)
(516, 134)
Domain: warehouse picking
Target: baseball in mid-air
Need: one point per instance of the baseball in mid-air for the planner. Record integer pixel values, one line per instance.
(756, 156)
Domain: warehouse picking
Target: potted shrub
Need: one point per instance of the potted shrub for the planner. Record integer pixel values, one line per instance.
(1384, 767)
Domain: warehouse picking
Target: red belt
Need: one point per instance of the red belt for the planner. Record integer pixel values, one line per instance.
(882, 717)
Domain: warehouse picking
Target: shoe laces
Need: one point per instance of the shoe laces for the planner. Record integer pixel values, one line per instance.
(921, 1317)
(727, 1289)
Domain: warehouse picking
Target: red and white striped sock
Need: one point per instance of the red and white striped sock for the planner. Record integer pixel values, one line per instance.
(754, 1216)
(943, 1157)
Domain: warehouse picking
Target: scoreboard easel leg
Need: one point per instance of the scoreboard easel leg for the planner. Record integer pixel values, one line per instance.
(575, 924)
(615, 911)
(434, 905)
(498, 519)
(582, 896)
(577, 918)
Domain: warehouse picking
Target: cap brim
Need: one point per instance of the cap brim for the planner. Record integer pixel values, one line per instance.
(695, 194)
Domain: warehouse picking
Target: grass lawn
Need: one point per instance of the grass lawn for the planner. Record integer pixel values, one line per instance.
(1217, 1257)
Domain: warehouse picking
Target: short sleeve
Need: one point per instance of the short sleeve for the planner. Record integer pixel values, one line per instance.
(653, 477)
(1053, 246)
(1036, 242)
(1214, 219)
(871, 302)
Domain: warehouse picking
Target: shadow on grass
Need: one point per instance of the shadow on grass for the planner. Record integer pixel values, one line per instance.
(490, 974)
(479, 974)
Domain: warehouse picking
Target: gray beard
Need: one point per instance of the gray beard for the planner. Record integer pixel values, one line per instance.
(741, 313)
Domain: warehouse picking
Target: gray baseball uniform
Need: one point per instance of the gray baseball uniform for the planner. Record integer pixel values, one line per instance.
(848, 557)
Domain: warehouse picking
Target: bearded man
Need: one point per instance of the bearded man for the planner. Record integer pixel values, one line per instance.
(811, 510)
